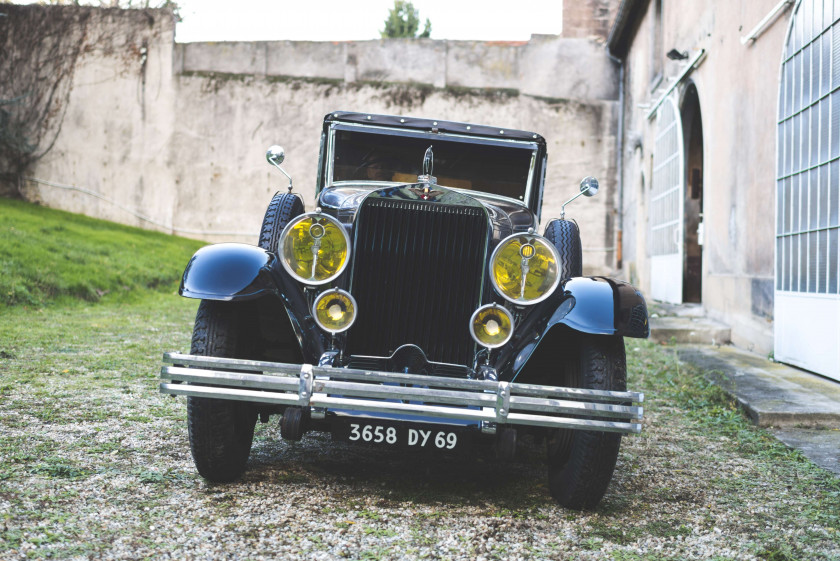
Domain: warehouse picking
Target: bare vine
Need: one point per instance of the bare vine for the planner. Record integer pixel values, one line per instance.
(40, 49)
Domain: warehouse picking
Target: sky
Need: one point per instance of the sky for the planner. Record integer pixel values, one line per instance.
(343, 20)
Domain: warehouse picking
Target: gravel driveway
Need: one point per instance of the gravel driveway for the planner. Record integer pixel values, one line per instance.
(94, 463)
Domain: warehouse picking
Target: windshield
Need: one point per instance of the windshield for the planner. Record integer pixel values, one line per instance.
(497, 167)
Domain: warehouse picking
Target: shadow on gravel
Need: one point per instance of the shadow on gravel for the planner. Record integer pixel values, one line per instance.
(399, 476)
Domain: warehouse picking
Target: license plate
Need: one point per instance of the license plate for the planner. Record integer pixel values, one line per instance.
(411, 436)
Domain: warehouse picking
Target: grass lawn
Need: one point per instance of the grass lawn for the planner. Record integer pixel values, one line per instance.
(48, 254)
(94, 462)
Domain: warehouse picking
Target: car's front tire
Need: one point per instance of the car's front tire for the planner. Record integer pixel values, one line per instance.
(220, 430)
(581, 463)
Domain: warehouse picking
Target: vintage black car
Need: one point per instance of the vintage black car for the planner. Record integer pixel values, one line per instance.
(416, 307)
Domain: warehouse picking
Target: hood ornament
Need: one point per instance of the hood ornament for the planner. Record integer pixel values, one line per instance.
(426, 180)
(428, 165)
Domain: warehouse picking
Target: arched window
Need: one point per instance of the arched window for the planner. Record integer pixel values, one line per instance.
(808, 150)
(808, 182)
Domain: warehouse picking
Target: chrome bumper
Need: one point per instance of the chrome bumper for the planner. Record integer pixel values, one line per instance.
(363, 390)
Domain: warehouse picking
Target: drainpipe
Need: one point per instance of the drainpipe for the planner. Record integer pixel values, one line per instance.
(619, 165)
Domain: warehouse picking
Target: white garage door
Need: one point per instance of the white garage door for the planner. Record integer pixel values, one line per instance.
(666, 207)
(807, 298)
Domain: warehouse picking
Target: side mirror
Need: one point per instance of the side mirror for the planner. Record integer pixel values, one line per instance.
(275, 156)
(588, 187)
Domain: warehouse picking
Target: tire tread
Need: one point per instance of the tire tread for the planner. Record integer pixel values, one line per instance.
(579, 481)
(220, 431)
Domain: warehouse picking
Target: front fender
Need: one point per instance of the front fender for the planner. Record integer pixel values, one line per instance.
(229, 272)
(603, 306)
(239, 272)
(595, 305)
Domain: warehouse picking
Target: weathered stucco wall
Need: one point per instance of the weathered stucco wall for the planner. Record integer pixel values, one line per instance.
(115, 138)
(546, 66)
(178, 135)
(737, 86)
(268, 112)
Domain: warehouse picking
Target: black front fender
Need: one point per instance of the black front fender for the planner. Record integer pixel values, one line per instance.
(236, 272)
(594, 305)
(603, 306)
(229, 272)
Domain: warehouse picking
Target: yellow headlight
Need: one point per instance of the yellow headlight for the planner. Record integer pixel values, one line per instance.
(334, 310)
(524, 268)
(314, 248)
(491, 326)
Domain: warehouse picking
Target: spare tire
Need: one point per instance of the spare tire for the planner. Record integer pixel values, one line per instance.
(565, 236)
(282, 208)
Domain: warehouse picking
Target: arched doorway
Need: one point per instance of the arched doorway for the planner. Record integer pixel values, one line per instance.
(693, 201)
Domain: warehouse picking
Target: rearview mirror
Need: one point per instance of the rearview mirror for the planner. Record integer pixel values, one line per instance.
(589, 186)
(275, 156)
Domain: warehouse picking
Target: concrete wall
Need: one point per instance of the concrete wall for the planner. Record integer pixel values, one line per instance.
(271, 112)
(178, 136)
(116, 135)
(546, 66)
(738, 90)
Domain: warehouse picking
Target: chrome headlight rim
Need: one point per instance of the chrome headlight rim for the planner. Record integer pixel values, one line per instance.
(532, 237)
(326, 294)
(500, 308)
(294, 221)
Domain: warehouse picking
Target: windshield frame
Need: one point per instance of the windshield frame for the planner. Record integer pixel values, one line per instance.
(533, 147)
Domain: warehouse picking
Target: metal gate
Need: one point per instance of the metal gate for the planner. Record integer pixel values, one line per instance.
(666, 207)
(807, 297)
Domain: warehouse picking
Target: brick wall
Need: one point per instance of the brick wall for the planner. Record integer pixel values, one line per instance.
(588, 18)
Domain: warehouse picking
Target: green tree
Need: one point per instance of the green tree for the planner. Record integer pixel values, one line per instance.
(404, 21)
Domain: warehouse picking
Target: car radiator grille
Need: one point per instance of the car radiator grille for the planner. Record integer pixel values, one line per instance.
(417, 278)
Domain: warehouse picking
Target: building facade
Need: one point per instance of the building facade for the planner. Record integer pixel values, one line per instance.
(172, 136)
(714, 128)
(729, 190)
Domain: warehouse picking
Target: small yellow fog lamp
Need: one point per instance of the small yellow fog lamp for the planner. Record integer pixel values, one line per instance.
(524, 268)
(314, 248)
(334, 310)
(491, 326)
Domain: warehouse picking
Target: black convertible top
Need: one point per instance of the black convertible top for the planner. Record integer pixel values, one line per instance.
(429, 125)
